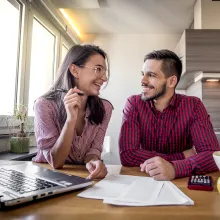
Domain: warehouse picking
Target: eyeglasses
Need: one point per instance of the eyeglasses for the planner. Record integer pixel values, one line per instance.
(99, 70)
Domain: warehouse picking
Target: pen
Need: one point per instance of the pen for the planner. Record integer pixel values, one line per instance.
(65, 91)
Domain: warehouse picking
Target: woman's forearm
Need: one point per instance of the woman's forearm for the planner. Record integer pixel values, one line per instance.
(91, 157)
(61, 149)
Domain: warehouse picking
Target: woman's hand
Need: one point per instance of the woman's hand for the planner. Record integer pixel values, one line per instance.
(97, 169)
(72, 103)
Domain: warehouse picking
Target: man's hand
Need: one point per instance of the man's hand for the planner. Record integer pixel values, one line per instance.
(189, 152)
(158, 168)
(97, 169)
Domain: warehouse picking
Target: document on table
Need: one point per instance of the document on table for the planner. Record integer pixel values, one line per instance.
(136, 191)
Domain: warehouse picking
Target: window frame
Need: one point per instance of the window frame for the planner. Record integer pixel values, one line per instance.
(67, 44)
(35, 14)
(22, 12)
(28, 11)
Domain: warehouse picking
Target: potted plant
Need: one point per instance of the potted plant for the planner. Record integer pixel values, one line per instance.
(18, 126)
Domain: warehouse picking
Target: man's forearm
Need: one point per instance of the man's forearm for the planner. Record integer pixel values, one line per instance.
(200, 163)
(135, 157)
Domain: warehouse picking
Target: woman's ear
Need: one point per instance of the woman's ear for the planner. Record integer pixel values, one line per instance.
(172, 81)
(73, 70)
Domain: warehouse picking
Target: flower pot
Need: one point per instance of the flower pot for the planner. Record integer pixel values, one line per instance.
(19, 144)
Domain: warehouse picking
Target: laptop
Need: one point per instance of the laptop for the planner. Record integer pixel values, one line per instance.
(25, 182)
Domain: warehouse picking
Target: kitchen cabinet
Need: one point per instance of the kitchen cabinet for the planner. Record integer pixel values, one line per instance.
(199, 50)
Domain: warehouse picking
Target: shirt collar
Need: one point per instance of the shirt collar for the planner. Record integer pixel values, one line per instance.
(151, 103)
(172, 102)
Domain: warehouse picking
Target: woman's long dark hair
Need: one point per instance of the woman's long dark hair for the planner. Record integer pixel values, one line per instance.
(78, 55)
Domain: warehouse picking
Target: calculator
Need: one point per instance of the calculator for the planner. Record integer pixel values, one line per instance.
(200, 182)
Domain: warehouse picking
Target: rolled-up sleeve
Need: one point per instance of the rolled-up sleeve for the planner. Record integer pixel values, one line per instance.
(205, 142)
(46, 128)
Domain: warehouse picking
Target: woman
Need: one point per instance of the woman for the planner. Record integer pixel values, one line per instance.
(70, 119)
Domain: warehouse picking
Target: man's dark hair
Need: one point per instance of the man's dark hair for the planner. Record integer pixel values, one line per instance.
(171, 65)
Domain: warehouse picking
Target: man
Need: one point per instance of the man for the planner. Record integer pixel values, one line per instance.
(167, 134)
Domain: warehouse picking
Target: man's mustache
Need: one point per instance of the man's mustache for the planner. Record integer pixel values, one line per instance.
(146, 85)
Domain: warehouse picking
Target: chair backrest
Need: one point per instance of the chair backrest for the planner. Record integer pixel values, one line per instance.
(106, 144)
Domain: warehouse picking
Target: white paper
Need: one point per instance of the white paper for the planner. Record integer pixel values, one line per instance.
(110, 187)
(144, 189)
(169, 195)
(172, 195)
(127, 190)
(123, 186)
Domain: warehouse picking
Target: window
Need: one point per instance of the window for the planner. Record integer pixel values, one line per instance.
(11, 12)
(33, 42)
(64, 51)
(65, 46)
(42, 62)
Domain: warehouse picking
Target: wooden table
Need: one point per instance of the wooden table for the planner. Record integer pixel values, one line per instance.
(69, 206)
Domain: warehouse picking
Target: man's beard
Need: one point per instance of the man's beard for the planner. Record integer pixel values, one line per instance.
(158, 94)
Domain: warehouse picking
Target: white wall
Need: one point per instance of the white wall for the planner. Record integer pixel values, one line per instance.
(198, 15)
(195, 89)
(126, 54)
(181, 91)
(210, 14)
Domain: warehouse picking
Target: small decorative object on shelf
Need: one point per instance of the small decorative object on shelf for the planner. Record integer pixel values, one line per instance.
(19, 125)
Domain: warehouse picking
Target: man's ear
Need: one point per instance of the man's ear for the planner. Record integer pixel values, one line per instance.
(73, 70)
(172, 81)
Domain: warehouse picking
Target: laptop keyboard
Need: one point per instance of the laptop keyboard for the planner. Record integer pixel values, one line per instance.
(22, 183)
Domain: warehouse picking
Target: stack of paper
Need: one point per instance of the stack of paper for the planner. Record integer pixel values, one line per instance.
(136, 191)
